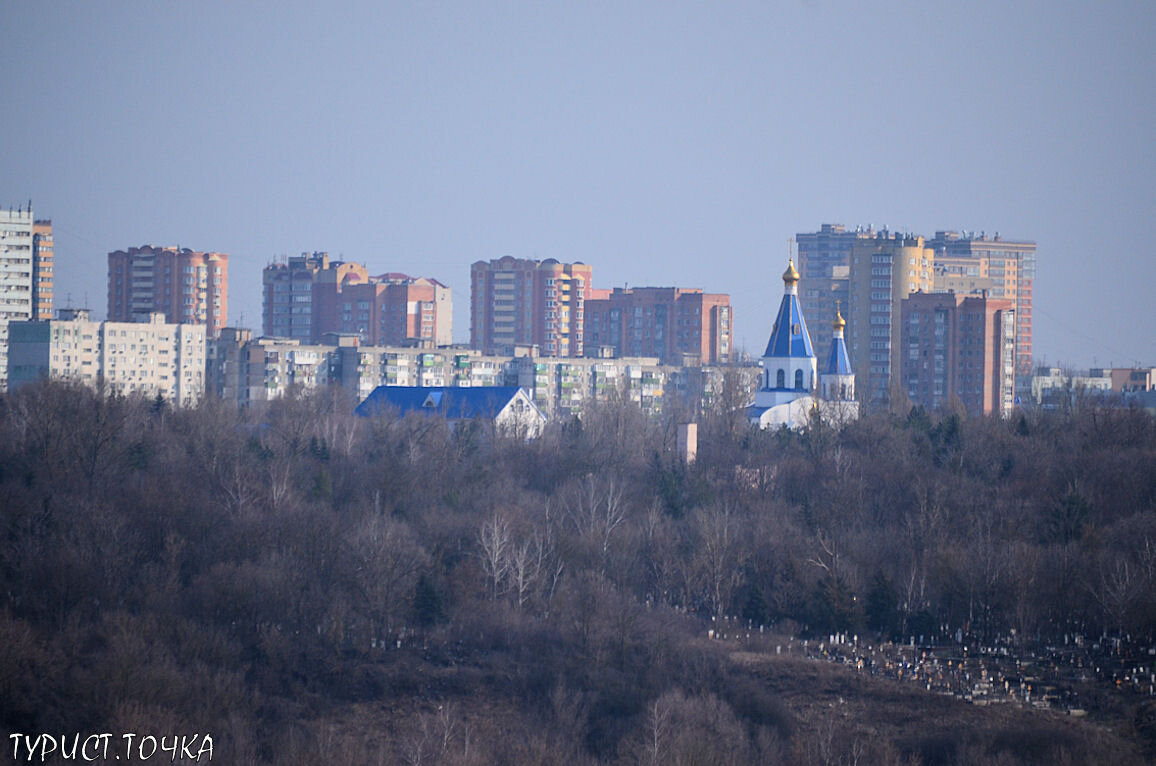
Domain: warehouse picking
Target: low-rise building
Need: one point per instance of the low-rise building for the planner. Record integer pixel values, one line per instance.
(243, 369)
(508, 408)
(1128, 379)
(1054, 387)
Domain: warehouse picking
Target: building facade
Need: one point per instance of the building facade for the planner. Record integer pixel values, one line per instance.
(967, 262)
(290, 305)
(147, 358)
(16, 275)
(677, 325)
(186, 286)
(309, 297)
(884, 270)
(959, 346)
(393, 310)
(518, 301)
(244, 370)
(43, 262)
(824, 263)
(1130, 379)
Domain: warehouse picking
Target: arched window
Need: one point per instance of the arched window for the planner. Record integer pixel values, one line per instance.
(782, 380)
(798, 380)
(843, 391)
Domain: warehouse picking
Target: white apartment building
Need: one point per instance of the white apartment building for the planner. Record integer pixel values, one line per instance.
(15, 276)
(149, 357)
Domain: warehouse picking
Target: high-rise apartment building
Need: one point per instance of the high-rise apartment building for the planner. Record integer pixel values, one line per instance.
(43, 260)
(824, 263)
(884, 270)
(291, 304)
(957, 345)
(16, 275)
(969, 262)
(518, 301)
(147, 357)
(963, 263)
(393, 310)
(310, 297)
(187, 286)
(675, 324)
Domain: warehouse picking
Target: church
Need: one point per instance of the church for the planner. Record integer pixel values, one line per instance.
(791, 388)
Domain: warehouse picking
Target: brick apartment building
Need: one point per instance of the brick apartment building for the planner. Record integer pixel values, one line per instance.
(186, 286)
(311, 296)
(676, 325)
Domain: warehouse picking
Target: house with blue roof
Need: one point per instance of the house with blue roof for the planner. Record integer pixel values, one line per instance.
(791, 389)
(508, 408)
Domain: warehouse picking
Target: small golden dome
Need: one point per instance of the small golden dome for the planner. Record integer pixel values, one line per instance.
(790, 276)
(839, 322)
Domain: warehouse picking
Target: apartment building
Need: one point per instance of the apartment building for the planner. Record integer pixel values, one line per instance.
(244, 370)
(519, 301)
(291, 305)
(309, 297)
(824, 265)
(43, 262)
(16, 275)
(962, 346)
(149, 357)
(676, 325)
(884, 270)
(967, 262)
(187, 286)
(394, 310)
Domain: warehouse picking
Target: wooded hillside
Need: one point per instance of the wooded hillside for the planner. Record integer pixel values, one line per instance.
(312, 587)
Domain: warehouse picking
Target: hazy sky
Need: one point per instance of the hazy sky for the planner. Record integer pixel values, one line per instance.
(664, 143)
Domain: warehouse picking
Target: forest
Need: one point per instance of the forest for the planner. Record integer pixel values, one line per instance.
(309, 586)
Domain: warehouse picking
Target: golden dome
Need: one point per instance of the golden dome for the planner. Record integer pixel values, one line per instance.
(839, 322)
(790, 276)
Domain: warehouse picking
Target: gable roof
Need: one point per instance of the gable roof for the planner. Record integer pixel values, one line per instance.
(789, 337)
(452, 402)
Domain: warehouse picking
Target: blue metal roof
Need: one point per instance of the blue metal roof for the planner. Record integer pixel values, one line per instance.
(789, 337)
(838, 363)
(450, 402)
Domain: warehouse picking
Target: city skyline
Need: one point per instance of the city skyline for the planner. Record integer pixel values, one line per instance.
(689, 144)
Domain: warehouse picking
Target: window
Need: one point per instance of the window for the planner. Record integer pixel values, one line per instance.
(798, 380)
(781, 380)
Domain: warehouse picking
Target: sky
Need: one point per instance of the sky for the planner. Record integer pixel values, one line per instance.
(664, 143)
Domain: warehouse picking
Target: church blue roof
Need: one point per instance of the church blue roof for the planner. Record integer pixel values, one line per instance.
(789, 337)
(450, 402)
(838, 363)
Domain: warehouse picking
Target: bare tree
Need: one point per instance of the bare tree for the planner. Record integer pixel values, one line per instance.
(596, 507)
(719, 535)
(494, 543)
(387, 561)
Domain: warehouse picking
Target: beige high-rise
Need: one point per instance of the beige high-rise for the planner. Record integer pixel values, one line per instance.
(883, 271)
